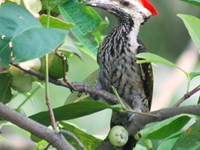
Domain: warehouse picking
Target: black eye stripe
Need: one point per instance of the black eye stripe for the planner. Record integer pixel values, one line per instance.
(125, 3)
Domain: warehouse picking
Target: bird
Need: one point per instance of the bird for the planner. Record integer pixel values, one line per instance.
(117, 53)
(116, 56)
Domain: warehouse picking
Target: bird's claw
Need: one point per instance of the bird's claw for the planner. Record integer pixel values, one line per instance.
(85, 87)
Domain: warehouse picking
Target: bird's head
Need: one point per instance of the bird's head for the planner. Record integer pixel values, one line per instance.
(138, 10)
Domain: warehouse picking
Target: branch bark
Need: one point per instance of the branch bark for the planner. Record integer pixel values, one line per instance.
(54, 138)
(139, 121)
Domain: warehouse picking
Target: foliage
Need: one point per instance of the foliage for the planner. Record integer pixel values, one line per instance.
(24, 38)
(175, 130)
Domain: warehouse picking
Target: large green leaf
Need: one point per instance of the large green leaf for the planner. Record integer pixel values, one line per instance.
(23, 37)
(190, 139)
(88, 141)
(193, 26)
(55, 23)
(153, 58)
(149, 57)
(85, 19)
(166, 128)
(194, 2)
(5, 90)
(72, 111)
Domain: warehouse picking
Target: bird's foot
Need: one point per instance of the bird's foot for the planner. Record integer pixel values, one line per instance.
(84, 85)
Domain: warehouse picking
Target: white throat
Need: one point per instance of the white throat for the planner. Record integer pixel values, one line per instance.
(133, 36)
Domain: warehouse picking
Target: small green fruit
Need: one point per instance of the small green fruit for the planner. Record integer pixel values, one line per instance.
(14, 71)
(22, 83)
(118, 136)
(55, 66)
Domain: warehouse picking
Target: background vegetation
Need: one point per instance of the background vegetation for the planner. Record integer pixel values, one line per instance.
(164, 35)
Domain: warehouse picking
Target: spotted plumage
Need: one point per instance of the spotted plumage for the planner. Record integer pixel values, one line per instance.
(117, 54)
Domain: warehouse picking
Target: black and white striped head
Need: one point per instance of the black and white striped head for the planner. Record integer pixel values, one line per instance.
(138, 10)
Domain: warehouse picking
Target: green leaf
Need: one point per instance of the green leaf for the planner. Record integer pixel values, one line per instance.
(194, 74)
(87, 21)
(198, 100)
(72, 111)
(149, 57)
(190, 139)
(23, 37)
(55, 23)
(68, 45)
(166, 128)
(192, 24)
(5, 90)
(170, 141)
(88, 141)
(193, 2)
(56, 66)
(167, 144)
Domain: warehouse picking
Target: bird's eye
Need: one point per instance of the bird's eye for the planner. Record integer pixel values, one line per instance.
(125, 3)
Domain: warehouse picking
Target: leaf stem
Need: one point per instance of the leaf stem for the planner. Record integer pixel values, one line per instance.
(187, 95)
(29, 96)
(48, 103)
(118, 97)
(129, 110)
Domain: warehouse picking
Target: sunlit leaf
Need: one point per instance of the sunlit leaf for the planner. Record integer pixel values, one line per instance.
(194, 74)
(72, 111)
(194, 2)
(190, 139)
(149, 57)
(166, 128)
(55, 23)
(192, 24)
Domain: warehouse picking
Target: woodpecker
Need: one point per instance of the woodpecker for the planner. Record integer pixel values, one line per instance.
(117, 56)
(117, 53)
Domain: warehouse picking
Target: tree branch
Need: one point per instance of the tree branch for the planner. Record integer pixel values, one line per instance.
(82, 147)
(140, 121)
(110, 98)
(187, 95)
(54, 138)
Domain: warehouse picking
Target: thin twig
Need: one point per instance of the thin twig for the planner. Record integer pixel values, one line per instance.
(111, 98)
(130, 109)
(46, 148)
(64, 63)
(52, 116)
(187, 95)
(74, 138)
(119, 98)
